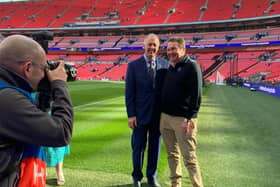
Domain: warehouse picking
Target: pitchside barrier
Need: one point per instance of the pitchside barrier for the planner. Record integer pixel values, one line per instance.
(267, 89)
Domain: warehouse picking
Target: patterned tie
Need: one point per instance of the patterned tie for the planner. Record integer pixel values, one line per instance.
(152, 69)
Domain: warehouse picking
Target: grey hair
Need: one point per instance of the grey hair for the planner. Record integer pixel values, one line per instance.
(151, 35)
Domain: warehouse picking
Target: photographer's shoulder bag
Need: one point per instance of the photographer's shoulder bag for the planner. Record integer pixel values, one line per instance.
(32, 165)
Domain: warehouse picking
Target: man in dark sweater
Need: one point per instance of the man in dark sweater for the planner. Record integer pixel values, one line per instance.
(22, 65)
(180, 102)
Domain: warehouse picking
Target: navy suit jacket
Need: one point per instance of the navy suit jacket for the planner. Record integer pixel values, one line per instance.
(142, 98)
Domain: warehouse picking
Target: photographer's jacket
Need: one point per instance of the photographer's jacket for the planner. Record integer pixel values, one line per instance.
(181, 94)
(22, 123)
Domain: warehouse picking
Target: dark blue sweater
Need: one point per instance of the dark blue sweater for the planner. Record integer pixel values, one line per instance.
(181, 93)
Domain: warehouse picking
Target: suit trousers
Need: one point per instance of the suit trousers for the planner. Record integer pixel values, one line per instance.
(140, 135)
(177, 142)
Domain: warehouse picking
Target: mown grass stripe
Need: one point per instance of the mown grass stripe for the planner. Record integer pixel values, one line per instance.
(238, 139)
(233, 145)
(106, 101)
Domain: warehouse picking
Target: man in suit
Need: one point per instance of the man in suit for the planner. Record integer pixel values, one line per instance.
(144, 79)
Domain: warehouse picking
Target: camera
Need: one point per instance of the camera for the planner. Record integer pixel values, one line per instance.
(70, 70)
(43, 38)
(44, 97)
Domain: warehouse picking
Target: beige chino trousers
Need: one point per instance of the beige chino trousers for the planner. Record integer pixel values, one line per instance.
(177, 142)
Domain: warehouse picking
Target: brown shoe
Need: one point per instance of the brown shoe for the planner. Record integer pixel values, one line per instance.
(176, 185)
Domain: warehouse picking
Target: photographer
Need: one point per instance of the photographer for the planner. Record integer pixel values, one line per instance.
(23, 65)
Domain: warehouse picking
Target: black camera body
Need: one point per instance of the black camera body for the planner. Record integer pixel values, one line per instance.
(43, 38)
(44, 97)
(44, 90)
(70, 70)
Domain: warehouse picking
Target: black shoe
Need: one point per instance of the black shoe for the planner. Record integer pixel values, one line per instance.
(136, 184)
(153, 183)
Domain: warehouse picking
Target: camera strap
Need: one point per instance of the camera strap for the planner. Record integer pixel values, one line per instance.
(27, 94)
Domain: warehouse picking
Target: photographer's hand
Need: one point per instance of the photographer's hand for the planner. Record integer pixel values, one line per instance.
(58, 73)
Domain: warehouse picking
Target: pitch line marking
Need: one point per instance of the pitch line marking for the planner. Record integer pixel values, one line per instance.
(98, 102)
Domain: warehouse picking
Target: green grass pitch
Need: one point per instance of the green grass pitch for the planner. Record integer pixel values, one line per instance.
(238, 139)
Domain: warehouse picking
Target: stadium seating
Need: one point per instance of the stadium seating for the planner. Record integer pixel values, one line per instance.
(183, 13)
(155, 12)
(124, 41)
(252, 8)
(275, 9)
(246, 59)
(218, 10)
(57, 13)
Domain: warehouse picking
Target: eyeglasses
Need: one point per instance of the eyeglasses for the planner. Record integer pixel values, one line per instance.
(44, 67)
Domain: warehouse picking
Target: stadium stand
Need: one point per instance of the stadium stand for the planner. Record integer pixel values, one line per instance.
(182, 13)
(58, 13)
(251, 8)
(100, 51)
(218, 11)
